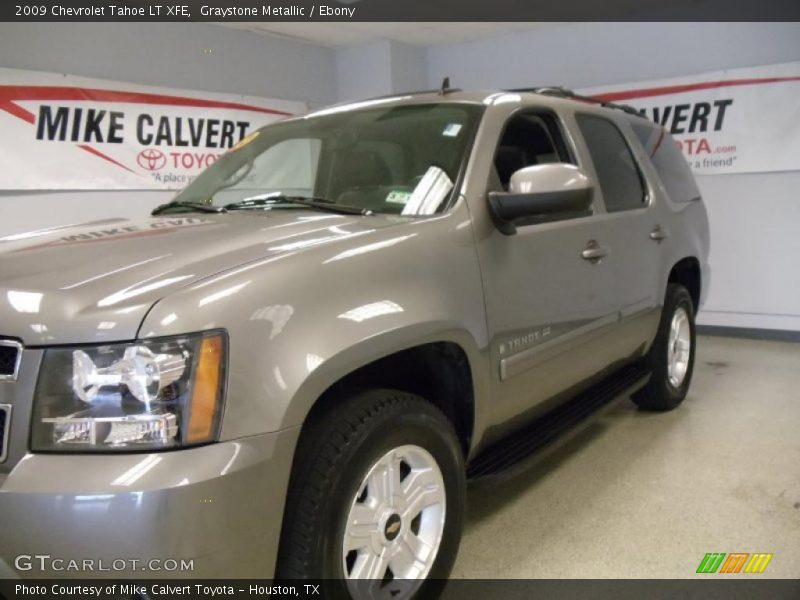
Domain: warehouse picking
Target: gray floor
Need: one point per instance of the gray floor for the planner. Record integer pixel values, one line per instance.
(647, 495)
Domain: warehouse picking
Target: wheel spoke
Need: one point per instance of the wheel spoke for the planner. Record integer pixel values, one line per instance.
(362, 525)
(418, 479)
(410, 557)
(370, 566)
(393, 475)
(384, 482)
(420, 490)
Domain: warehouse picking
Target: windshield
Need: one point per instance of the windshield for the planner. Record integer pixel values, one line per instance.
(401, 160)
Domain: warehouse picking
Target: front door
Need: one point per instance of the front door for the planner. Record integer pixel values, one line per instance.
(549, 288)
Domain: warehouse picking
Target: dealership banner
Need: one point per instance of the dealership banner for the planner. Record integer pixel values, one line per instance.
(734, 121)
(65, 132)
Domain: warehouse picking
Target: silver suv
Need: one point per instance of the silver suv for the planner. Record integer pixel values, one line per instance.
(292, 369)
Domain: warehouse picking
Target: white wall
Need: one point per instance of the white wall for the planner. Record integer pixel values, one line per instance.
(378, 69)
(179, 55)
(755, 218)
(755, 246)
(592, 54)
(409, 68)
(363, 71)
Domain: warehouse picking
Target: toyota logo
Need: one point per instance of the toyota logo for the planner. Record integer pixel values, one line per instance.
(151, 159)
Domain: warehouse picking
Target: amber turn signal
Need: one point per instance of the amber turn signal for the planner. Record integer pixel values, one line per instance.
(206, 404)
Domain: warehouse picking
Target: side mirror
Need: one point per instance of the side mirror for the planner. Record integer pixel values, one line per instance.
(542, 193)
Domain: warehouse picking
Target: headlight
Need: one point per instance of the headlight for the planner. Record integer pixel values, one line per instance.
(149, 395)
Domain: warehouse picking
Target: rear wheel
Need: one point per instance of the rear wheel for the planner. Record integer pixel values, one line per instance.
(671, 357)
(376, 498)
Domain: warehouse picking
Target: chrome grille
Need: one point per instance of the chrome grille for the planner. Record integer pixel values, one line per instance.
(5, 420)
(10, 355)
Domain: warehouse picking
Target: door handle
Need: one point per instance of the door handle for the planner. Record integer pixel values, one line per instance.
(594, 251)
(658, 234)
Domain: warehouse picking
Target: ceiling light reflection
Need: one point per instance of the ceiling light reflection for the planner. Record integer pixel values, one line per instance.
(369, 247)
(313, 361)
(137, 471)
(234, 289)
(25, 302)
(134, 291)
(370, 311)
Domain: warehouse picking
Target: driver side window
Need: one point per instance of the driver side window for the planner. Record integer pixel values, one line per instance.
(529, 139)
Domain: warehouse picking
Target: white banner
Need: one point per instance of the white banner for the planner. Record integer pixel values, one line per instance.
(734, 121)
(65, 132)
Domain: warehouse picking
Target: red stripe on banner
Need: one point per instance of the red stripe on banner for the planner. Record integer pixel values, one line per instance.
(689, 87)
(97, 152)
(18, 111)
(22, 93)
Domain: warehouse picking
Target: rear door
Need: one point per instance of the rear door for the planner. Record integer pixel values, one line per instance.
(633, 230)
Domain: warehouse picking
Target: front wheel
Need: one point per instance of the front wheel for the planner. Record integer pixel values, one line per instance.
(376, 499)
(671, 357)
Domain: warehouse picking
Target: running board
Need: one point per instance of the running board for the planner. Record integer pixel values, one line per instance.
(549, 427)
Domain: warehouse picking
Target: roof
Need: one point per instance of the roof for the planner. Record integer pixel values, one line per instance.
(447, 94)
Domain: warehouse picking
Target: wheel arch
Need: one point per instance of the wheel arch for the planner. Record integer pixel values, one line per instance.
(687, 272)
(440, 371)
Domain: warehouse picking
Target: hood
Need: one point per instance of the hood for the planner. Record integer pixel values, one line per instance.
(95, 282)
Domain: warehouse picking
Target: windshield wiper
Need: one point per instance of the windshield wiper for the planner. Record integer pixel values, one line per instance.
(180, 206)
(310, 201)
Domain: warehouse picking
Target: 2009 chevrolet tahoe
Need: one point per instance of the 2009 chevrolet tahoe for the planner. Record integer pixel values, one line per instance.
(290, 369)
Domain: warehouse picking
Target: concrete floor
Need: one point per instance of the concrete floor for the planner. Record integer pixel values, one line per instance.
(637, 494)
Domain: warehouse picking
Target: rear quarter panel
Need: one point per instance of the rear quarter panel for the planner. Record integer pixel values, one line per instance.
(686, 222)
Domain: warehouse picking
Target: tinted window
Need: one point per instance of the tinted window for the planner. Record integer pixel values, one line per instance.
(529, 139)
(670, 164)
(616, 169)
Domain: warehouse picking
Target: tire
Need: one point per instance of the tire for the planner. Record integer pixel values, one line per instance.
(337, 450)
(667, 388)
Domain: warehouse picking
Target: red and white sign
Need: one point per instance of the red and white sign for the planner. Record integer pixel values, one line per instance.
(65, 132)
(735, 121)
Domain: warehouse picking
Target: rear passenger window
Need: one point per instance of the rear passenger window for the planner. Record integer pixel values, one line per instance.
(617, 172)
(670, 164)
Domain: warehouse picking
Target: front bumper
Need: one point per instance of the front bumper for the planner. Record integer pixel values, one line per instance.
(219, 506)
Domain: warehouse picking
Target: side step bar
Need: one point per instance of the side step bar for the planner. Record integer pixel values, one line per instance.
(549, 427)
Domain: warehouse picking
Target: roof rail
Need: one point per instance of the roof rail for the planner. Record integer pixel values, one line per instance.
(562, 92)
